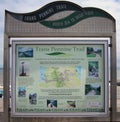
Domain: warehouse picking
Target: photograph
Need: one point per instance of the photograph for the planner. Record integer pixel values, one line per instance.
(94, 52)
(42, 72)
(24, 68)
(33, 98)
(25, 52)
(21, 91)
(71, 104)
(93, 69)
(79, 71)
(52, 103)
(92, 89)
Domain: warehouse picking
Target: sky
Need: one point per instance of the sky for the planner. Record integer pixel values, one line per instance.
(24, 6)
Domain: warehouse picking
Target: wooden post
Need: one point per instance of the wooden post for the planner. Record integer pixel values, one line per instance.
(113, 80)
(6, 79)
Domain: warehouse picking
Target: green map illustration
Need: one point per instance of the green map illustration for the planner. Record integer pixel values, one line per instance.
(60, 76)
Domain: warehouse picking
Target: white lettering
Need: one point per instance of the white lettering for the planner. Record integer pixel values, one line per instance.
(61, 7)
(45, 13)
(30, 18)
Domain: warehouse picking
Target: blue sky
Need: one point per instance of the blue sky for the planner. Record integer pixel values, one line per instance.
(19, 6)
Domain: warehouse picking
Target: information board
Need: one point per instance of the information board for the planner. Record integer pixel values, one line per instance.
(60, 77)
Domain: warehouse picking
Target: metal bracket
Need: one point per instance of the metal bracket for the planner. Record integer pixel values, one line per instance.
(110, 109)
(110, 82)
(9, 45)
(110, 45)
(9, 109)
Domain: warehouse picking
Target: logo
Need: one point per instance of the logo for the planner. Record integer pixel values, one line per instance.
(77, 14)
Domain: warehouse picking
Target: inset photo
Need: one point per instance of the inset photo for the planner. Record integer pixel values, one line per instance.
(94, 52)
(25, 52)
(71, 104)
(93, 69)
(33, 98)
(79, 71)
(52, 103)
(24, 68)
(92, 89)
(21, 91)
(43, 77)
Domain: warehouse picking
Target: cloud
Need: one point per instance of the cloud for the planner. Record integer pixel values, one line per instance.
(23, 6)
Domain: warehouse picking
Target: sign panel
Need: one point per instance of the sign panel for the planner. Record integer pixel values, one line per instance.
(60, 77)
(78, 14)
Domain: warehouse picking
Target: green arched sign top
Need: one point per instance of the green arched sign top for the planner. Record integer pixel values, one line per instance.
(50, 9)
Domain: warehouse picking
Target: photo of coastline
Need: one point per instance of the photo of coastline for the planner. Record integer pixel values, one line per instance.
(25, 52)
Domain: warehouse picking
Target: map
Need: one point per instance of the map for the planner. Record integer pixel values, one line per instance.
(63, 76)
